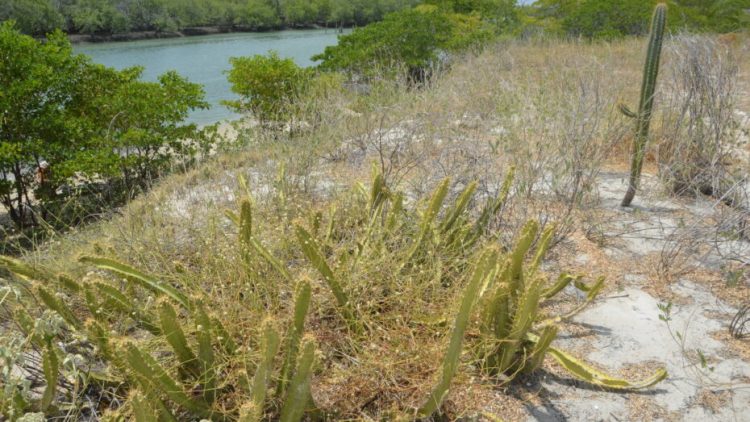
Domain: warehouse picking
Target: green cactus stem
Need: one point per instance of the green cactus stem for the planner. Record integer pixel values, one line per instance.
(450, 362)
(646, 105)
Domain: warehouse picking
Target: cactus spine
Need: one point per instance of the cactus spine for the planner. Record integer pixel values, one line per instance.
(152, 375)
(51, 369)
(646, 105)
(312, 252)
(206, 357)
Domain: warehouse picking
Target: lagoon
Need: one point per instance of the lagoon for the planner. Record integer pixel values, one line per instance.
(205, 59)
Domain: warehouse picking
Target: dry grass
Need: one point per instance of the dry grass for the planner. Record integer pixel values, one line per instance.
(547, 108)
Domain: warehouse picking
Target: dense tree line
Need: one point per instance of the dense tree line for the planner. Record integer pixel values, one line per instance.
(588, 18)
(613, 18)
(112, 16)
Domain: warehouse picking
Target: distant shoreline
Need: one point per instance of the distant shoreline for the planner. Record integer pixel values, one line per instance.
(194, 31)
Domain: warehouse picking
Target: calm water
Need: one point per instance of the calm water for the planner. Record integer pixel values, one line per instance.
(204, 59)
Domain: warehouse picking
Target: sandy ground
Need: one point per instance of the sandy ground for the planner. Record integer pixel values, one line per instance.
(623, 330)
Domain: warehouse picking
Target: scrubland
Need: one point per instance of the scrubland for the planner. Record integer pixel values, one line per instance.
(230, 237)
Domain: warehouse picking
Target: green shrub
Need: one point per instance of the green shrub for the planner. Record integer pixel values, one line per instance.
(82, 117)
(268, 86)
(410, 40)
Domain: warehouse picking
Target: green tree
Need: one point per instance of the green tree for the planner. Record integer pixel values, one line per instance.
(35, 82)
(299, 12)
(342, 12)
(146, 130)
(96, 16)
(83, 117)
(609, 18)
(32, 16)
(261, 14)
(411, 40)
(502, 13)
(267, 85)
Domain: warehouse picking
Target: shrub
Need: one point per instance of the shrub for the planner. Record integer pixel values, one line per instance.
(267, 85)
(410, 40)
(84, 118)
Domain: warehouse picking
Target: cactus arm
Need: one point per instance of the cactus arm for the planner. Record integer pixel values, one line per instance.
(562, 282)
(142, 410)
(131, 274)
(524, 316)
(55, 304)
(117, 301)
(624, 109)
(378, 193)
(68, 283)
(395, 212)
(646, 105)
(298, 397)
(206, 357)
(590, 375)
(449, 222)
(275, 263)
(246, 222)
(51, 369)
(436, 201)
(223, 337)
(541, 250)
(313, 254)
(175, 336)
(453, 353)
(152, 373)
(269, 348)
(24, 271)
(294, 337)
(540, 348)
(233, 217)
(491, 209)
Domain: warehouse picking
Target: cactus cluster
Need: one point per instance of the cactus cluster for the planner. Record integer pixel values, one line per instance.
(646, 106)
(188, 382)
(515, 336)
(155, 343)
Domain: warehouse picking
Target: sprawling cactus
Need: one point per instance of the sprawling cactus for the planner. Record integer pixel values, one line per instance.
(174, 360)
(646, 105)
(516, 336)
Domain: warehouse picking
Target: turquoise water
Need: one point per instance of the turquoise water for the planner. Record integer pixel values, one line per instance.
(205, 59)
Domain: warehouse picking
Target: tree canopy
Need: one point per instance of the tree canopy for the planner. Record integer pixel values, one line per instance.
(410, 39)
(83, 118)
(111, 16)
(612, 18)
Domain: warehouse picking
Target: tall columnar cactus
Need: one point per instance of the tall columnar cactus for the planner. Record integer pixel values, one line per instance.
(646, 106)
